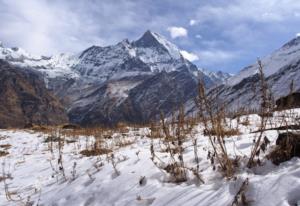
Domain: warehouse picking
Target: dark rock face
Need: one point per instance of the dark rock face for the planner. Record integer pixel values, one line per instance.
(289, 101)
(25, 100)
(287, 147)
(163, 92)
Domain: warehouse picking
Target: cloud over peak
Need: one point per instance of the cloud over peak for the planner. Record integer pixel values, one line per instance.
(189, 56)
(176, 32)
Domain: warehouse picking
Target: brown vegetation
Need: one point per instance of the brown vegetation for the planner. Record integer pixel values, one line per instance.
(95, 152)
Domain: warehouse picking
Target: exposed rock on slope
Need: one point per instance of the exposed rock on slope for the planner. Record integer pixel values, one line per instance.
(24, 99)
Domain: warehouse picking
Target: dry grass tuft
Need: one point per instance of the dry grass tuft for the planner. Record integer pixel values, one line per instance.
(3, 153)
(5, 146)
(223, 131)
(95, 152)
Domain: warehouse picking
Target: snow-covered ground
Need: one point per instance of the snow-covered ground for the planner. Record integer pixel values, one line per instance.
(34, 177)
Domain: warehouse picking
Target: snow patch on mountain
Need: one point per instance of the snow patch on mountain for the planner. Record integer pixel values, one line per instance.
(120, 89)
(218, 77)
(58, 65)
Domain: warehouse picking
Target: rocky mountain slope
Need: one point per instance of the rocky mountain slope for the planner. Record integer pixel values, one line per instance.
(24, 99)
(281, 68)
(130, 81)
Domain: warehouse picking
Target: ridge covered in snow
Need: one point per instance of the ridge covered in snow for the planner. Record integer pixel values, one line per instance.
(287, 54)
(57, 65)
(151, 53)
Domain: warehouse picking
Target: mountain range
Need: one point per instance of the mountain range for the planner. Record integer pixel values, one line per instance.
(136, 81)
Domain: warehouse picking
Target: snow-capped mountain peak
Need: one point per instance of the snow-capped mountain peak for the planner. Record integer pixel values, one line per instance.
(218, 77)
(152, 39)
(292, 43)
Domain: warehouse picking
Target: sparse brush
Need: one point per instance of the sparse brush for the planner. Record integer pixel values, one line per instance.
(174, 135)
(265, 112)
(245, 122)
(155, 131)
(214, 122)
(240, 198)
(60, 156)
(95, 152)
(73, 172)
(114, 164)
(3, 153)
(224, 131)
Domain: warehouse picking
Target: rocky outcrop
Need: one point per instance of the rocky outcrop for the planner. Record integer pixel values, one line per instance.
(289, 101)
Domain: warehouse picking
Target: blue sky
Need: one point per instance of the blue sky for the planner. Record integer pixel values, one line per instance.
(216, 34)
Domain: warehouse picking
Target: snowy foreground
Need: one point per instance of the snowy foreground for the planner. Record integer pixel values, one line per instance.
(34, 178)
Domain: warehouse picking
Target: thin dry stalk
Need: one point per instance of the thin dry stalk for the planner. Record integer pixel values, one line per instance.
(213, 119)
(265, 110)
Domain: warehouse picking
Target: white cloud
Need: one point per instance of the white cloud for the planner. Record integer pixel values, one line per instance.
(298, 34)
(49, 27)
(177, 32)
(266, 11)
(215, 56)
(192, 22)
(189, 56)
(198, 36)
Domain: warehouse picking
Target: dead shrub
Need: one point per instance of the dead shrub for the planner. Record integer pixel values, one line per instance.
(213, 118)
(52, 138)
(245, 122)
(224, 131)
(124, 143)
(5, 146)
(95, 152)
(70, 141)
(70, 126)
(3, 153)
(155, 131)
(178, 173)
(266, 109)
(174, 134)
(240, 198)
(38, 128)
